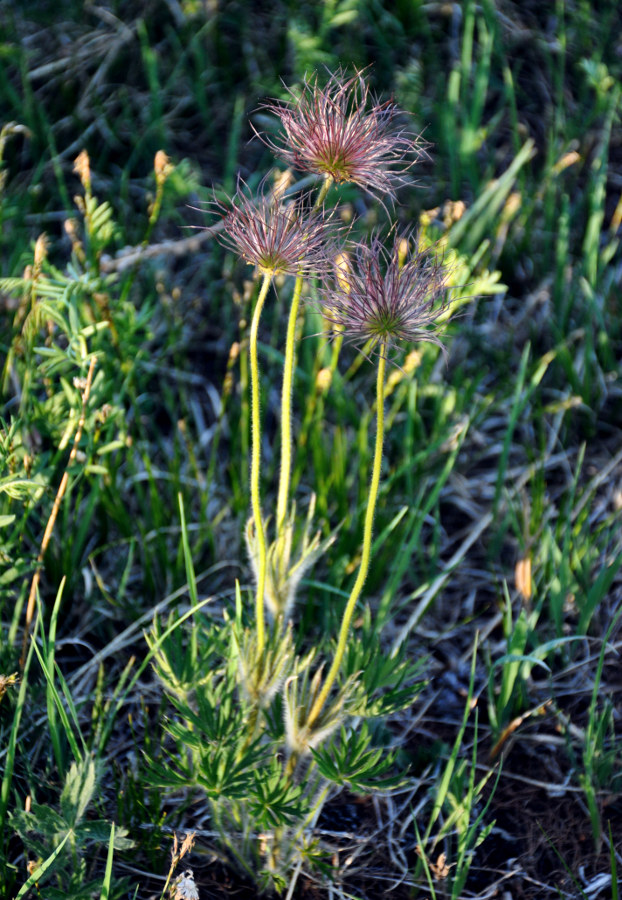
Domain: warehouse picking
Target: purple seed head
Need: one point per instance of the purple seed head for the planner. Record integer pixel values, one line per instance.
(340, 130)
(386, 295)
(277, 236)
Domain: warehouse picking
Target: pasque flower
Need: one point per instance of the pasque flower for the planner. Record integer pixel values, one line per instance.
(378, 296)
(277, 236)
(386, 295)
(340, 131)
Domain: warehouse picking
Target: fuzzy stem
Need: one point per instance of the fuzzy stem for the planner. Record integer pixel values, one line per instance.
(286, 393)
(286, 410)
(321, 197)
(366, 550)
(290, 767)
(251, 729)
(256, 464)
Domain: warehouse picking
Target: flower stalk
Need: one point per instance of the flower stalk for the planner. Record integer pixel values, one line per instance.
(286, 395)
(344, 631)
(286, 409)
(260, 534)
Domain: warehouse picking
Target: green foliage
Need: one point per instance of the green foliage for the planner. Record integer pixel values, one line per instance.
(229, 745)
(384, 684)
(601, 749)
(457, 817)
(61, 840)
(508, 691)
(351, 761)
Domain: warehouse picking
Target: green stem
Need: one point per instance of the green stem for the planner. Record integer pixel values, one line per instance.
(316, 709)
(286, 410)
(290, 767)
(225, 832)
(321, 197)
(168, 879)
(316, 808)
(155, 210)
(251, 730)
(286, 392)
(256, 463)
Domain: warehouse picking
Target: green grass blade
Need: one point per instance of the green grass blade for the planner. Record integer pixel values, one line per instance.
(614, 867)
(445, 781)
(49, 677)
(57, 746)
(42, 869)
(190, 574)
(12, 745)
(105, 891)
(471, 228)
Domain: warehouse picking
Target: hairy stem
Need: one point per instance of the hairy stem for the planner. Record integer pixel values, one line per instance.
(260, 534)
(286, 393)
(321, 197)
(286, 410)
(316, 709)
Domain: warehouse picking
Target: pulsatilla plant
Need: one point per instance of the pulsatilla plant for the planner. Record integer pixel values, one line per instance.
(268, 732)
(335, 131)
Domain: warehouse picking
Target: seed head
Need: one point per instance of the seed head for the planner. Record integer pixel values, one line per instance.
(162, 167)
(386, 295)
(82, 168)
(184, 887)
(341, 131)
(41, 250)
(7, 681)
(277, 236)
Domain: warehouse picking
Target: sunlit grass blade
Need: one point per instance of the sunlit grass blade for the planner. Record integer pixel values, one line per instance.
(41, 870)
(106, 883)
(60, 706)
(190, 574)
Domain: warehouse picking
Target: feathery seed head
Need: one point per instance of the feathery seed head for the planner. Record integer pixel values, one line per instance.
(386, 295)
(343, 132)
(277, 236)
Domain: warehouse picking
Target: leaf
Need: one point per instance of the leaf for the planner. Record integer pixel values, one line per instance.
(163, 775)
(274, 800)
(224, 772)
(384, 684)
(40, 820)
(350, 760)
(105, 891)
(20, 488)
(211, 722)
(98, 831)
(78, 790)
